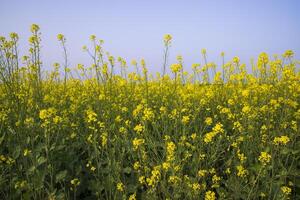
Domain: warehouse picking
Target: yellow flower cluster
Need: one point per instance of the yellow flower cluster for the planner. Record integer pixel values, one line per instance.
(208, 121)
(286, 190)
(154, 178)
(174, 180)
(218, 128)
(282, 140)
(137, 142)
(75, 182)
(264, 158)
(202, 172)
(176, 67)
(167, 38)
(148, 114)
(120, 187)
(241, 171)
(91, 116)
(170, 151)
(210, 195)
(139, 128)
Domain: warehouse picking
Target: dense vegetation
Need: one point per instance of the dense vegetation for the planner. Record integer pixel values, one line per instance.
(93, 133)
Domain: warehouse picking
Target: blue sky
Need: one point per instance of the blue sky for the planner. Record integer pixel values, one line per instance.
(135, 28)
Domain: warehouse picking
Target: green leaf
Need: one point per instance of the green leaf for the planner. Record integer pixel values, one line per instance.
(31, 169)
(60, 147)
(61, 175)
(256, 167)
(131, 188)
(285, 151)
(41, 160)
(127, 170)
(2, 138)
(295, 152)
(52, 147)
(16, 152)
(28, 140)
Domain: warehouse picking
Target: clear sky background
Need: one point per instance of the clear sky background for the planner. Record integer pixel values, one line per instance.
(134, 29)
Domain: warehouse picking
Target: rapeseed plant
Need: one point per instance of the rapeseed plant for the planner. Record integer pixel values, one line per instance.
(116, 133)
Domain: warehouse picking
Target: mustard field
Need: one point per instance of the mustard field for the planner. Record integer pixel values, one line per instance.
(113, 130)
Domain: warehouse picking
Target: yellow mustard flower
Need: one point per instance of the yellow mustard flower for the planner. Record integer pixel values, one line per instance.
(286, 190)
(264, 158)
(210, 195)
(120, 186)
(282, 140)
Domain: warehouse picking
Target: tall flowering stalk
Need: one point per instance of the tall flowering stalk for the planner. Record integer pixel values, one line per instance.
(167, 43)
(61, 38)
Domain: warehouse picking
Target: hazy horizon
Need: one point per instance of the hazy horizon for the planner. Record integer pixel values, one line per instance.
(135, 29)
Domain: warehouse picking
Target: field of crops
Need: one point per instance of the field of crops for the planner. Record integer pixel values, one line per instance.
(115, 131)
